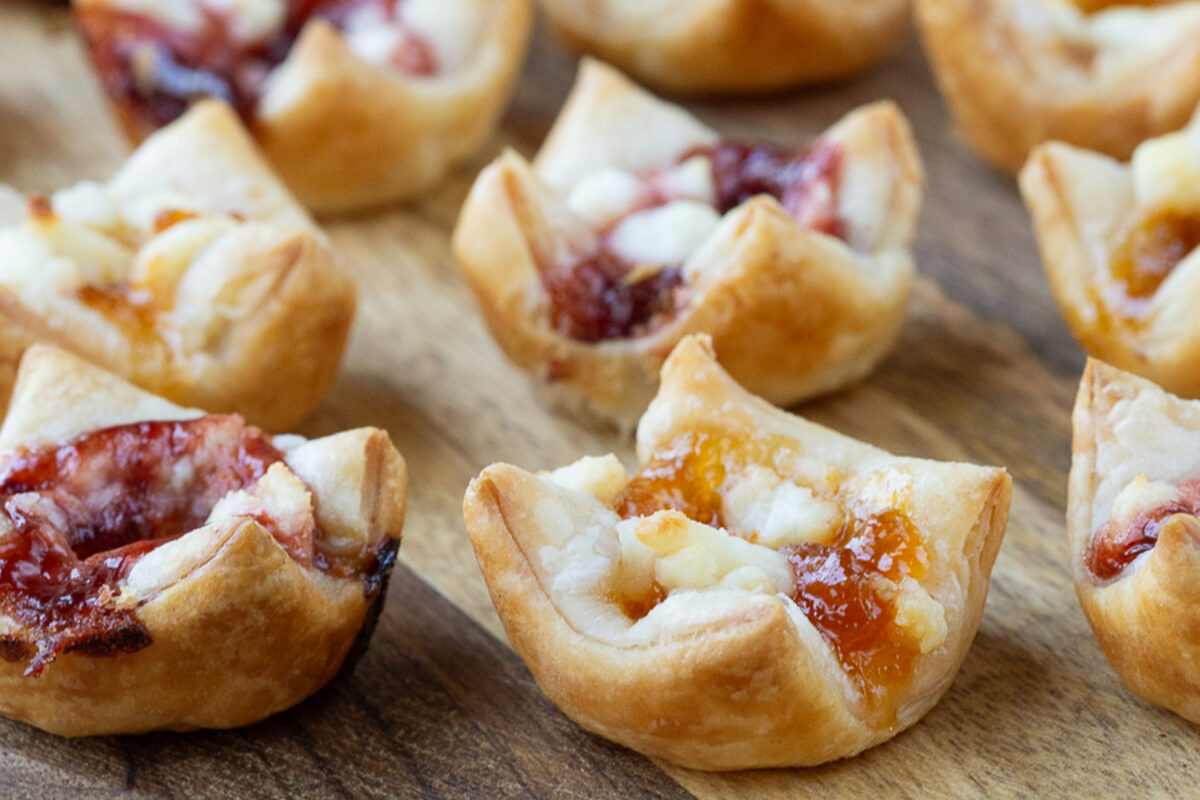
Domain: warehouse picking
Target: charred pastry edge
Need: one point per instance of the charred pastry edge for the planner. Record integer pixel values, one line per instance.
(285, 647)
(294, 304)
(1076, 257)
(1004, 112)
(1144, 618)
(735, 45)
(415, 129)
(512, 219)
(630, 695)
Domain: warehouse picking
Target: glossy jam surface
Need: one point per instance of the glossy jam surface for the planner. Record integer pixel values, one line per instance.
(805, 183)
(1146, 254)
(1114, 547)
(79, 515)
(836, 586)
(155, 72)
(605, 296)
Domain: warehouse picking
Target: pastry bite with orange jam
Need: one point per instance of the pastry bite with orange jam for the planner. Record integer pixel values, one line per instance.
(1098, 74)
(728, 46)
(164, 568)
(1133, 523)
(192, 273)
(761, 592)
(1121, 247)
(355, 102)
(637, 225)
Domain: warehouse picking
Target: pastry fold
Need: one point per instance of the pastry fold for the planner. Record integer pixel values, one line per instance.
(192, 272)
(1017, 73)
(722, 46)
(235, 627)
(731, 675)
(792, 311)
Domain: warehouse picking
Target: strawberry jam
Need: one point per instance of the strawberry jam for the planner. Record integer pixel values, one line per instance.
(155, 72)
(78, 516)
(1113, 547)
(605, 296)
(806, 184)
(1148, 253)
(839, 587)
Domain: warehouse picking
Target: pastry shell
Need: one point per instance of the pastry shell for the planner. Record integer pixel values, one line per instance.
(256, 321)
(346, 134)
(732, 45)
(1017, 73)
(722, 680)
(1079, 201)
(1145, 619)
(239, 630)
(792, 312)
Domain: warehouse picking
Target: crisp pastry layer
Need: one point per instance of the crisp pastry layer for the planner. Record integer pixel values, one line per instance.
(1100, 75)
(192, 272)
(732, 45)
(1121, 247)
(355, 102)
(1134, 532)
(762, 592)
(165, 569)
(637, 225)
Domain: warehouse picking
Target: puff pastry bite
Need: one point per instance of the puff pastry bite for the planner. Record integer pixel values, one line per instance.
(161, 568)
(192, 273)
(1121, 247)
(733, 45)
(762, 592)
(355, 102)
(637, 225)
(1134, 533)
(1095, 73)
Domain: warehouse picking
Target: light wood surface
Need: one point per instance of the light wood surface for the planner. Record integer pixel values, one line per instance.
(985, 371)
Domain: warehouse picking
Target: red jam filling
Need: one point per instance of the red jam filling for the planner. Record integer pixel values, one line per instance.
(1148, 253)
(836, 586)
(154, 72)
(82, 514)
(1114, 547)
(605, 296)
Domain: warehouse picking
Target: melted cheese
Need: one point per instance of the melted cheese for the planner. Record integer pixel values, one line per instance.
(691, 180)
(922, 618)
(1166, 172)
(603, 477)
(605, 196)
(680, 553)
(1141, 495)
(665, 235)
(779, 512)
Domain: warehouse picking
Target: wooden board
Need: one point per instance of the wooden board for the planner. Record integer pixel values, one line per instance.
(440, 706)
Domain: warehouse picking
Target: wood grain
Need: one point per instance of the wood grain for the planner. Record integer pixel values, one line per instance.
(985, 371)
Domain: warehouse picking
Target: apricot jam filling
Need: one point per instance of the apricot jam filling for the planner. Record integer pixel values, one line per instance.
(605, 295)
(1114, 547)
(1146, 254)
(155, 72)
(76, 518)
(841, 587)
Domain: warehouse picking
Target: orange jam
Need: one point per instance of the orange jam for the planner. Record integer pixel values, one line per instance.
(129, 307)
(837, 586)
(1147, 253)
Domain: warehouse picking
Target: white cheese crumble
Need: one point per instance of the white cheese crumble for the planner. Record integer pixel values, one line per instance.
(779, 511)
(667, 234)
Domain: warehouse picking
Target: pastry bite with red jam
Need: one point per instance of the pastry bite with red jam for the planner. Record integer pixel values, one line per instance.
(636, 225)
(192, 273)
(355, 102)
(1121, 247)
(761, 592)
(1133, 523)
(163, 568)
(732, 45)
(1100, 74)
